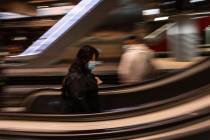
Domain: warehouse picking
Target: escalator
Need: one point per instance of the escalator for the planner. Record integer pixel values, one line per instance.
(178, 108)
(170, 107)
(126, 96)
(183, 118)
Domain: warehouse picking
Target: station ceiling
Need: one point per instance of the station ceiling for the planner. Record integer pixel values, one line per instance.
(28, 7)
(167, 7)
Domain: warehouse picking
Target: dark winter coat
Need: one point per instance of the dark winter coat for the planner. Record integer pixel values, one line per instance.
(80, 91)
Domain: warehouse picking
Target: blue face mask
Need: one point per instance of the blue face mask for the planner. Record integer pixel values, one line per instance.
(91, 66)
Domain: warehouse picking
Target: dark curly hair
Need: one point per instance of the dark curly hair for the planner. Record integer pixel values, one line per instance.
(84, 55)
(135, 38)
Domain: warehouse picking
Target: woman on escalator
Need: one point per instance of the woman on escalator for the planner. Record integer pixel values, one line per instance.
(80, 86)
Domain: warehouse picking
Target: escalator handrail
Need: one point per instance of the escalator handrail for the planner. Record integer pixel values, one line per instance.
(199, 68)
(123, 131)
(161, 81)
(167, 75)
(112, 114)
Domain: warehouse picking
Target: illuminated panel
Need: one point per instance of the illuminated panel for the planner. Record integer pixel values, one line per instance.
(151, 12)
(65, 24)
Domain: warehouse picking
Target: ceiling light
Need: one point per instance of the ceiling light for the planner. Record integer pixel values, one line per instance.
(193, 1)
(20, 38)
(161, 18)
(43, 6)
(151, 12)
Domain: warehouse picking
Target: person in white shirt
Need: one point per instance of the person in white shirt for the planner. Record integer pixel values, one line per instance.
(135, 64)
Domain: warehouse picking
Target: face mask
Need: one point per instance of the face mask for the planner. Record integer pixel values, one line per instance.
(91, 65)
(125, 47)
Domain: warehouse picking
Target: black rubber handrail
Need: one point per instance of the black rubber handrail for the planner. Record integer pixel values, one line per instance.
(133, 131)
(169, 74)
(110, 114)
(149, 95)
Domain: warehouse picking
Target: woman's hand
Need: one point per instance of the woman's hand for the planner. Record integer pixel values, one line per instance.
(98, 80)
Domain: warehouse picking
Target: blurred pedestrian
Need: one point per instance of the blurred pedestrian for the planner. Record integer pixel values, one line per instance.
(135, 64)
(183, 37)
(80, 86)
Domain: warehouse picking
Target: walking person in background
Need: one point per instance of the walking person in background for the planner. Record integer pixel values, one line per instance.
(80, 86)
(183, 37)
(135, 64)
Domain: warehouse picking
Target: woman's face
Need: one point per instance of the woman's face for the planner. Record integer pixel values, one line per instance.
(92, 63)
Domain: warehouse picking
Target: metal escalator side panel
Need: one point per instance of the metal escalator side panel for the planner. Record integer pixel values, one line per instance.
(159, 32)
(61, 27)
(73, 26)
